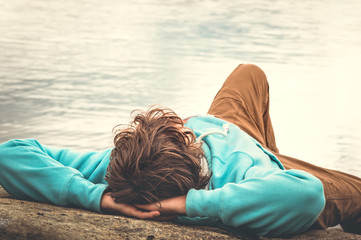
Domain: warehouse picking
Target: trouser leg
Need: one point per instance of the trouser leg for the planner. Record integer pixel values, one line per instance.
(244, 101)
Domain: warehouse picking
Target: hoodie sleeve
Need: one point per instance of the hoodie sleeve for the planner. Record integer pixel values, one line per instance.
(28, 172)
(268, 201)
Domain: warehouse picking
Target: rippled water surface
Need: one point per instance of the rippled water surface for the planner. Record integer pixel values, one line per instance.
(71, 70)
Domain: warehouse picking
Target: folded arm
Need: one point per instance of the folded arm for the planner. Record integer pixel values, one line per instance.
(31, 171)
(276, 202)
(28, 172)
(268, 201)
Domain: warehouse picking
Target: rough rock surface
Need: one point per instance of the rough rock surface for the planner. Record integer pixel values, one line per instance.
(30, 220)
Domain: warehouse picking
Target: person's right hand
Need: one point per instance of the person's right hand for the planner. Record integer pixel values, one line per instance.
(175, 206)
(108, 204)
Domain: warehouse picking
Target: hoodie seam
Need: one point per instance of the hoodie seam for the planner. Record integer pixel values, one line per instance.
(66, 189)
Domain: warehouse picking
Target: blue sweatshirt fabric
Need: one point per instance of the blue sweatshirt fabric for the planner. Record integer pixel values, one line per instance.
(249, 189)
(31, 171)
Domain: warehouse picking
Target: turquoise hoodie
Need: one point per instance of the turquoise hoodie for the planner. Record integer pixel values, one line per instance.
(249, 190)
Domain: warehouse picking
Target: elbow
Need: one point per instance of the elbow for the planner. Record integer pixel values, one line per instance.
(304, 207)
(316, 197)
(6, 150)
(310, 197)
(311, 203)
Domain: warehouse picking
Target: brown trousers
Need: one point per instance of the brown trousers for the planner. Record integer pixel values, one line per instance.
(244, 101)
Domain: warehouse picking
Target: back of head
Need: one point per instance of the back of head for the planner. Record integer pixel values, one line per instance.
(154, 158)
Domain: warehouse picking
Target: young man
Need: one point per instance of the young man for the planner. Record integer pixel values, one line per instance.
(223, 170)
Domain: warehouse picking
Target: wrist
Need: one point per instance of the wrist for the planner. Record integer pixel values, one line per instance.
(182, 206)
(105, 201)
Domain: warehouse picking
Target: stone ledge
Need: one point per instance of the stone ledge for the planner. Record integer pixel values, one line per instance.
(31, 220)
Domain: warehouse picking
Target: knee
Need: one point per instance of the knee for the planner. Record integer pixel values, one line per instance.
(250, 68)
(251, 74)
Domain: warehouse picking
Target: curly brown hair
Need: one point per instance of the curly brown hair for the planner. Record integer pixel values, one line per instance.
(154, 158)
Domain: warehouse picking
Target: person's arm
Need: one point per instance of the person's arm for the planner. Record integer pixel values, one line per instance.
(31, 171)
(28, 172)
(269, 201)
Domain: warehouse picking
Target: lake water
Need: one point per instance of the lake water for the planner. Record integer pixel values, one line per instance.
(72, 70)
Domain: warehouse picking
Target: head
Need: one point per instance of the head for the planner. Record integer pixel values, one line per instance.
(154, 158)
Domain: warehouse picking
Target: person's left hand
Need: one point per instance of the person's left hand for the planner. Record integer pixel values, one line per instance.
(175, 206)
(108, 204)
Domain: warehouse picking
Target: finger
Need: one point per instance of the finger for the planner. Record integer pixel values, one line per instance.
(149, 207)
(132, 211)
(144, 215)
